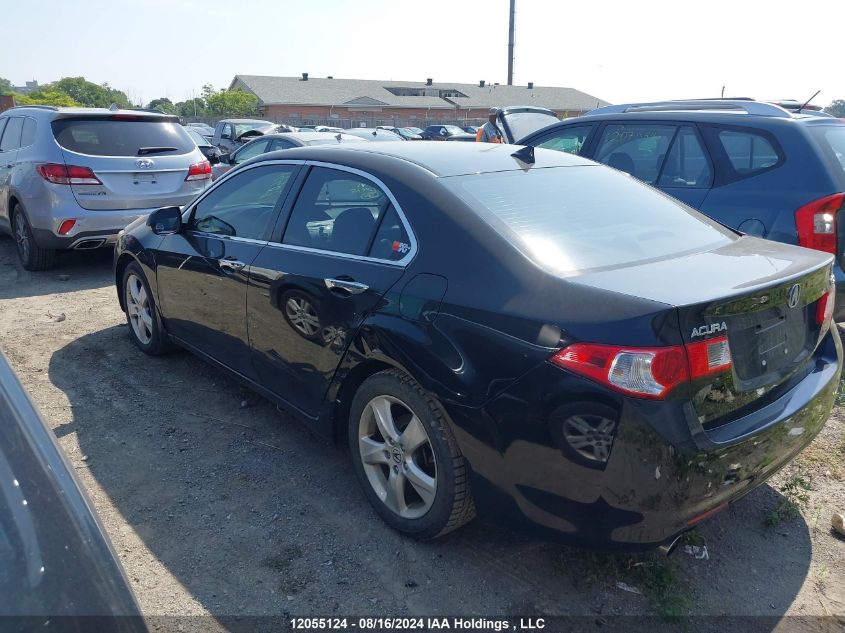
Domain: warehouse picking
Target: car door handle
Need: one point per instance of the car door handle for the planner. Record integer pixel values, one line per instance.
(352, 287)
(231, 264)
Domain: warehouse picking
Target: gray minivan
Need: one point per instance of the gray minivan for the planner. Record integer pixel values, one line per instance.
(71, 178)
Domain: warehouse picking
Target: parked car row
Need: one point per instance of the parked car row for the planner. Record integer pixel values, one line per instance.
(634, 365)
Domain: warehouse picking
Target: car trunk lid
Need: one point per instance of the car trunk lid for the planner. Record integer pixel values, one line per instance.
(761, 295)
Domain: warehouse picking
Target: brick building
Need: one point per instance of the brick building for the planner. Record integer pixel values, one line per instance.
(351, 102)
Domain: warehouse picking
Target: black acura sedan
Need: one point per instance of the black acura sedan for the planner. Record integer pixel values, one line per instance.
(520, 333)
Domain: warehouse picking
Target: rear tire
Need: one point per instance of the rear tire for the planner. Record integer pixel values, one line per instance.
(406, 458)
(32, 256)
(145, 328)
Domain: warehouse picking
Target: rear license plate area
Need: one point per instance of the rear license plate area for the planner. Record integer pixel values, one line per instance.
(144, 179)
(769, 341)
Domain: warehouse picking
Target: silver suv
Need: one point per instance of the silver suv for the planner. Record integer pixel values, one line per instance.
(71, 178)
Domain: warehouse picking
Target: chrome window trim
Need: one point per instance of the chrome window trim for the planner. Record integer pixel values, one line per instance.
(352, 170)
(186, 214)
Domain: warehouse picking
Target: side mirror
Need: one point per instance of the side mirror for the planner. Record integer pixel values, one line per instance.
(165, 221)
(213, 158)
(224, 158)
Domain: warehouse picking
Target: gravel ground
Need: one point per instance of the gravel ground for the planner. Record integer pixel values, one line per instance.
(219, 504)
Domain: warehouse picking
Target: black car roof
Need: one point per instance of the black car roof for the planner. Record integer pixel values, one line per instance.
(439, 158)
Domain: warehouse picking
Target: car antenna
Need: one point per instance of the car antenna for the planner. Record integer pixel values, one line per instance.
(526, 154)
(806, 103)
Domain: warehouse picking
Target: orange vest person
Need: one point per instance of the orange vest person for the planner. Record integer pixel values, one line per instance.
(489, 132)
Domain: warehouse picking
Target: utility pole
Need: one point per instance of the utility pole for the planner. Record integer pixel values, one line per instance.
(510, 43)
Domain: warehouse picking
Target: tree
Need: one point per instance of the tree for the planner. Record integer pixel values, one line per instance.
(46, 96)
(5, 86)
(232, 103)
(162, 104)
(191, 107)
(837, 108)
(90, 94)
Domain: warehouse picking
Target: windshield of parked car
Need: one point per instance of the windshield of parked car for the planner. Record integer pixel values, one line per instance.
(574, 219)
(521, 124)
(121, 136)
(240, 128)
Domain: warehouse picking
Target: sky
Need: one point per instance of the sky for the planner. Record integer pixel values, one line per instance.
(626, 51)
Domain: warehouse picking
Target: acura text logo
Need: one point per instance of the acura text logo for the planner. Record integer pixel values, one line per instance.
(144, 163)
(793, 295)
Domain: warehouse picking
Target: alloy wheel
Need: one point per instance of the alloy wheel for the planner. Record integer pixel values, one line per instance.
(302, 315)
(590, 435)
(397, 456)
(22, 236)
(138, 309)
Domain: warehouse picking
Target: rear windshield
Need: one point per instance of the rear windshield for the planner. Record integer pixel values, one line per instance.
(122, 137)
(574, 219)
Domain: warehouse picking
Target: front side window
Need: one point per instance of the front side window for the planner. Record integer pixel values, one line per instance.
(243, 205)
(251, 149)
(336, 211)
(748, 152)
(574, 219)
(686, 165)
(568, 139)
(280, 143)
(12, 134)
(637, 149)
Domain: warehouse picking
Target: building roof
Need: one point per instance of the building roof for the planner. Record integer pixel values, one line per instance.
(408, 94)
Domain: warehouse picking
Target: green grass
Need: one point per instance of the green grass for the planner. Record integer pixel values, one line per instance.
(795, 497)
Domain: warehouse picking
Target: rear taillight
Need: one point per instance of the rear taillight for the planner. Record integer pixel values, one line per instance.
(646, 372)
(68, 174)
(824, 308)
(199, 171)
(816, 223)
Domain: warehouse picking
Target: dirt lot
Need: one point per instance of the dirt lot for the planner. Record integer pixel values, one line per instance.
(218, 504)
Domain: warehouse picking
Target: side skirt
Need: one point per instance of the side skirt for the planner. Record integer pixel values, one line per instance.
(320, 424)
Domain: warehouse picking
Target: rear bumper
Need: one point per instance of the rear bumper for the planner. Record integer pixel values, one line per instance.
(664, 469)
(92, 228)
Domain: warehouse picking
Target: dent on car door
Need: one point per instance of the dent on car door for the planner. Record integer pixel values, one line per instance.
(343, 247)
(202, 271)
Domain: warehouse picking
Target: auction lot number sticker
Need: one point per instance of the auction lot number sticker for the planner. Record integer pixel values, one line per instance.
(417, 624)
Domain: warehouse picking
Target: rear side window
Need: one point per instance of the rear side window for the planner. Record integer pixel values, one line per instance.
(638, 149)
(12, 134)
(833, 138)
(571, 219)
(391, 241)
(748, 152)
(686, 165)
(28, 134)
(336, 211)
(568, 139)
(122, 137)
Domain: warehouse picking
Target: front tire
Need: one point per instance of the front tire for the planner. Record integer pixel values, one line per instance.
(32, 256)
(406, 458)
(141, 315)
